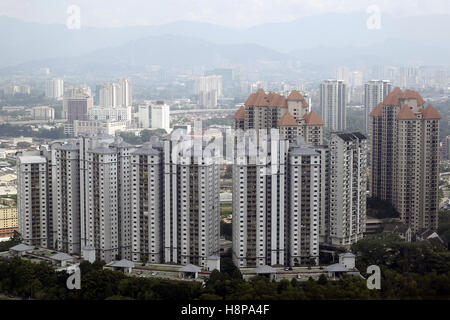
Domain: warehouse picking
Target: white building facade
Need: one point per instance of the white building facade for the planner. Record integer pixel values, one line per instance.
(348, 187)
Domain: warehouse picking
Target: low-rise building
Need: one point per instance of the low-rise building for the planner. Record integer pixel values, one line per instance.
(401, 229)
(373, 226)
(8, 220)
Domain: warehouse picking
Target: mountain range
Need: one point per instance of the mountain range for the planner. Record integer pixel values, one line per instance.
(332, 39)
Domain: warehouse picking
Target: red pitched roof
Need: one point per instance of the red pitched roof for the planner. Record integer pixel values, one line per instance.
(251, 99)
(430, 113)
(393, 98)
(295, 95)
(406, 114)
(261, 99)
(410, 94)
(377, 111)
(287, 120)
(277, 100)
(313, 119)
(240, 113)
(305, 104)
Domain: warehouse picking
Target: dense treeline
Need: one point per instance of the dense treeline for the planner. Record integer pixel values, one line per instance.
(144, 136)
(389, 251)
(408, 271)
(380, 209)
(14, 240)
(19, 277)
(9, 130)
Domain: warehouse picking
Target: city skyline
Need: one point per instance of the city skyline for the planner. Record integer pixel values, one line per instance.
(239, 150)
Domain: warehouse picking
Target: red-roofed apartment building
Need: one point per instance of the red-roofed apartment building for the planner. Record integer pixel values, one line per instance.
(405, 157)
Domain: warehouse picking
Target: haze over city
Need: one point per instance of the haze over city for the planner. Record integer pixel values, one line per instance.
(224, 150)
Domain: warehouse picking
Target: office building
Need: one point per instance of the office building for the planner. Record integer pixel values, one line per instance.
(78, 108)
(405, 157)
(74, 92)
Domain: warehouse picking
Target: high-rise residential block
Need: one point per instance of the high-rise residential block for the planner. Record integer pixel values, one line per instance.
(375, 91)
(115, 94)
(209, 89)
(65, 161)
(160, 115)
(291, 115)
(43, 113)
(54, 88)
(32, 199)
(276, 201)
(156, 203)
(333, 103)
(405, 157)
(347, 187)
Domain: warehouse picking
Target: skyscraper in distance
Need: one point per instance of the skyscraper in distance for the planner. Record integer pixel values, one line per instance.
(375, 91)
(333, 103)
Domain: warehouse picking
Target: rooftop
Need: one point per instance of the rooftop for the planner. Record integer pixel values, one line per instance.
(313, 119)
(406, 114)
(123, 264)
(265, 269)
(287, 120)
(21, 247)
(31, 159)
(190, 268)
(61, 256)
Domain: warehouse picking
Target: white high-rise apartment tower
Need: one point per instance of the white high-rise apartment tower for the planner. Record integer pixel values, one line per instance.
(32, 199)
(157, 203)
(333, 103)
(209, 89)
(347, 187)
(405, 157)
(375, 91)
(160, 115)
(277, 201)
(116, 94)
(54, 88)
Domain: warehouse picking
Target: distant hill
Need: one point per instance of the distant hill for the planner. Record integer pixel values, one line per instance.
(329, 39)
(166, 51)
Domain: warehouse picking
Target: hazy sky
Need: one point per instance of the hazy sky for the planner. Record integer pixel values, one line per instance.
(232, 13)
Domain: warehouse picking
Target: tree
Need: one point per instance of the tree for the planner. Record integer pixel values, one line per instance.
(23, 145)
